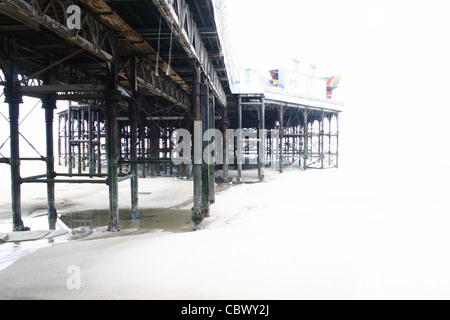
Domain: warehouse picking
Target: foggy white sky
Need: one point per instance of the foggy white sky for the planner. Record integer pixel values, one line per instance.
(393, 57)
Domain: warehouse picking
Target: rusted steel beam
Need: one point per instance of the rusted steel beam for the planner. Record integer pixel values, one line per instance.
(116, 23)
(32, 14)
(71, 181)
(93, 37)
(50, 66)
(54, 88)
(190, 40)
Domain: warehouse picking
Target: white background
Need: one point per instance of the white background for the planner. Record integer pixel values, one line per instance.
(393, 57)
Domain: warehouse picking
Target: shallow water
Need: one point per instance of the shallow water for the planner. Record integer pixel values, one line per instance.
(83, 224)
(150, 219)
(11, 251)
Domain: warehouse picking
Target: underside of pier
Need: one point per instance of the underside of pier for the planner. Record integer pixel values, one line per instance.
(133, 73)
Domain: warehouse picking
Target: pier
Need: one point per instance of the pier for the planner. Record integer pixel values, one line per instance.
(133, 73)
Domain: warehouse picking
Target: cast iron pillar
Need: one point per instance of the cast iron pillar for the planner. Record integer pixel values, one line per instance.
(205, 115)
(184, 167)
(91, 150)
(262, 140)
(155, 135)
(337, 140)
(321, 139)
(112, 97)
(225, 126)
(134, 213)
(306, 138)
(112, 141)
(212, 165)
(197, 214)
(49, 104)
(239, 153)
(133, 110)
(143, 137)
(281, 114)
(14, 99)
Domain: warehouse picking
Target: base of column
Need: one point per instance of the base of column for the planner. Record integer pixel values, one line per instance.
(197, 219)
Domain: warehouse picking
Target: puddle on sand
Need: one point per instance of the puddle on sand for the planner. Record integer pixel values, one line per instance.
(150, 219)
(82, 224)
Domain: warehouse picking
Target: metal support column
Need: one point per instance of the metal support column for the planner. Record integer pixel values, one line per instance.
(69, 139)
(306, 138)
(329, 117)
(14, 99)
(155, 134)
(225, 126)
(239, 155)
(113, 155)
(321, 139)
(262, 140)
(134, 214)
(91, 151)
(281, 115)
(49, 104)
(99, 145)
(205, 115)
(142, 137)
(133, 109)
(197, 214)
(185, 168)
(112, 97)
(337, 140)
(212, 166)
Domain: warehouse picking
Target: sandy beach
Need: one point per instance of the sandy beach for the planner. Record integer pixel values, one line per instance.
(334, 234)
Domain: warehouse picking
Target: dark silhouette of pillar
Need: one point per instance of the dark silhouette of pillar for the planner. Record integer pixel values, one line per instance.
(13, 98)
(225, 126)
(49, 104)
(262, 140)
(197, 214)
(113, 155)
(133, 112)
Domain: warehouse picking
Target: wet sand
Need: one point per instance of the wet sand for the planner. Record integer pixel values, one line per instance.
(333, 234)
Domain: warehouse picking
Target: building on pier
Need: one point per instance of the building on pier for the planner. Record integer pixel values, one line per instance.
(299, 106)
